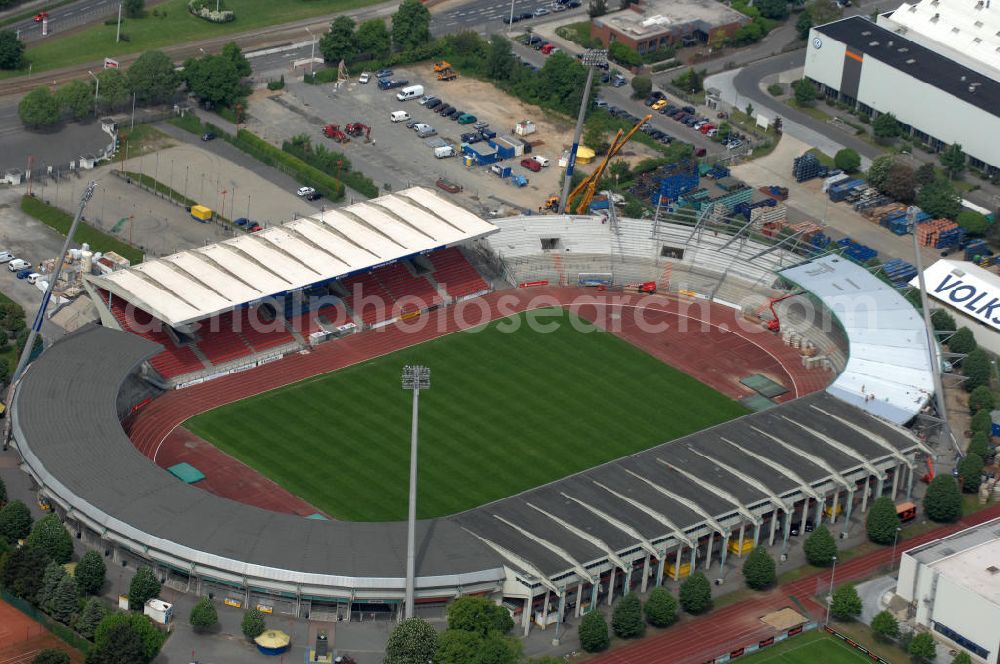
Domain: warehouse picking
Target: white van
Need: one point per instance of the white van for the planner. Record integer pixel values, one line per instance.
(542, 161)
(410, 92)
(33, 277)
(18, 264)
(399, 116)
(444, 151)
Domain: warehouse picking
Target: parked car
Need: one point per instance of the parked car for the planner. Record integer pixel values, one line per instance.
(208, 136)
(600, 103)
(541, 11)
(420, 125)
(658, 104)
(471, 137)
(466, 118)
(364, 78)
(487, 133)
(6, 257)
(254, 227)
(411, 122)
(305, 191)
(543, 161)
(18, 264)
(511, 19)
(314, 196)
(427, 99)
(434, 103)
(383, 73)
(23, 274)
(524, 16)
(531, 165)
(618, 81)
(242, 221)
(41, 16)
(700, 152)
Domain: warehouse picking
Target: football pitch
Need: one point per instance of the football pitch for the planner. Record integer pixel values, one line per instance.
(811, 648)
(508, 410)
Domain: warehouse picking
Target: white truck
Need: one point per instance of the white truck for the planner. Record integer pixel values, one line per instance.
(444, 151)
(410, 92)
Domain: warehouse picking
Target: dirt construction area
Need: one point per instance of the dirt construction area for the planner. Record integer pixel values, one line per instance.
(21, 638)
(397, 157)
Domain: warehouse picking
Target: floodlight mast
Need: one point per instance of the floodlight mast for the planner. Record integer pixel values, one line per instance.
(592, 58)
(415, 378)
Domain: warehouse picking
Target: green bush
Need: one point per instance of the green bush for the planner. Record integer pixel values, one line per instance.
(943, 501)
(696, 594)
(977, 369)
(626, 618)
(882, 521)
(962, 341)
(970, 472)
(981, 399)
(331, 162)
(60, 222)
(623, 55)
(266, 153)
(776, 89)
(820, 547)
(660, 608)
(846, 605)
(593, 632)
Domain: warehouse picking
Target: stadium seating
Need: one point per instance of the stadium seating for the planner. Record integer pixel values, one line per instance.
(174, 360)
(400, 283)
(261, 334)
(378, 304)
(219, 340)
(456, 274)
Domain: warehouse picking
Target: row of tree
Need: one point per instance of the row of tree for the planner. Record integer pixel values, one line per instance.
(151, 79)
(411, 28)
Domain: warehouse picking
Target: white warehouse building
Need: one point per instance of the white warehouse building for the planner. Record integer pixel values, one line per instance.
(953, 588)
(940, 97)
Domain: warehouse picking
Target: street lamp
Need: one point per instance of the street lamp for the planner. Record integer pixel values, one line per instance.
(592, 58)
(415, 378)
(892, 560)
(97, 89)
(829, 601)
(312, 51)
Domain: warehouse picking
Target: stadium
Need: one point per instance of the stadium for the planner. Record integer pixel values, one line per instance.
(780, 395)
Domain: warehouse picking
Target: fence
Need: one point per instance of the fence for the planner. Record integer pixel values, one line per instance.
(57, 628)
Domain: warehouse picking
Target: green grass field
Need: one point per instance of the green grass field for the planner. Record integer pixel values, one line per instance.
(173, 26)
(507, 411)
(813, 648)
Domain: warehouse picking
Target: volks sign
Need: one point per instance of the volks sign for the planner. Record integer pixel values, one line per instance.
(966, 287)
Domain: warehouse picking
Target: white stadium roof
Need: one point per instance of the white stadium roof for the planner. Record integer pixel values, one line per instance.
(888, 370)
(199, 283)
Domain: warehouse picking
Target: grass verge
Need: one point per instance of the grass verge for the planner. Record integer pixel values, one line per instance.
(60, 221)
(340, 441)
(174, 25)
(812, 648)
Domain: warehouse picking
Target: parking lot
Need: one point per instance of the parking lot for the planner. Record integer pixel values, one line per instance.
(397, 157)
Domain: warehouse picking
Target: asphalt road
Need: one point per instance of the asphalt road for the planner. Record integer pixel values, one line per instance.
(66, 18)
(489, 16)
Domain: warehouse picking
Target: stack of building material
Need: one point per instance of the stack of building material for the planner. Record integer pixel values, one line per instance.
(857, 252)
(806, 229)
(760, 216)
(807, 167)
(899, 272)
(929, 232)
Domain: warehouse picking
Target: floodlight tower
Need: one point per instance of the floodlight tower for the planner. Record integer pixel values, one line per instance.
(415, 378)
(592, 59)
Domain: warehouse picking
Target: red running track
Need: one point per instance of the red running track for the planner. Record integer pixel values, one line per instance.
(706, 340)
(701, 639)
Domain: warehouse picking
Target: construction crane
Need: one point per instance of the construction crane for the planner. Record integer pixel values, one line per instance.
(589, 184)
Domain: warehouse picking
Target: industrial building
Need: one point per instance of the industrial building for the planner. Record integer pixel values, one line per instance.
(971, 294)
(938, 97)
(650, 25)
(953, 588)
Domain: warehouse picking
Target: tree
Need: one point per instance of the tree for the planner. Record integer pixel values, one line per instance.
(758, 569)
(499, 649)
(982, 422)
(925, 174)
(900, 183)
(882, 521)
(820, 547)
(203, 615)
(39, 108)
(593, 631)
(15, 521)
(90, 573)
(953, 160)
(499, 59)
(690, 81)
(977, 369)
(76, 99)
(135, 8)
(50, 535)
(940, 199)
(846, 604)
(641, 86)
(623, 55)
(152, 78)
(981, 398)
(11, 50)
(660, 608)
(456, 646)
(970, 472)
(962, 341)
(23, 571)
(696, 594)
(922, 647)
(150, 638)
(54, 573)
(113, 90)
(942, 321)
(479, 615)
(878, 172)
(253, 624)
(886, 126)
(3, 487)
(597, 8)
(413, 641)
(63, 603)
(816, 12)
(805, 92)
(411, 25)
(626, 618)
(980, 442)
(214, 79)
(943, 501)
(973, 222)
(885, 627)
(51, 656)
(143, 587)
(847, 160)
(90, 617)
(120, 645)
(234, 54)
(373, 38)
(773, 9)
(962, 658)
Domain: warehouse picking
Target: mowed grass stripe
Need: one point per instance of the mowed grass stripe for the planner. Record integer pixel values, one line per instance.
(508, 410)
(811, 648)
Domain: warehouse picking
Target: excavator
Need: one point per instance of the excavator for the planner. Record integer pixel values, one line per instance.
(357, 129)
(444, 71)
(333, 131)
(588, 187)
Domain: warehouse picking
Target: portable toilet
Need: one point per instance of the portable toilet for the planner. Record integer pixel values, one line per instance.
(995, 416)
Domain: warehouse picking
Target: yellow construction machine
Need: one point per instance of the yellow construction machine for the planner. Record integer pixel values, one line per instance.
(589, 184)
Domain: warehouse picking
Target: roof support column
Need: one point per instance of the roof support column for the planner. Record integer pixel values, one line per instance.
(802, 522)
(864, 496)
(847, 512)
(909, 482)
(774, 526)
(879, 486)
(836, 505)
(788, 527)
(628, 580)
(895, 480)
(526, 613)
(708, 553)
(579, 600)
(743, 527)
(562, 612)
(545, 610)
(659, 569)
(645, 573)
(594, 587)
(694, 559)
(611, 585)
(677, 563)
(724, 551)
(819, 511)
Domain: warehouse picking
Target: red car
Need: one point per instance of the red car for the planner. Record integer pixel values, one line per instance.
(531, 165)
(41, 16)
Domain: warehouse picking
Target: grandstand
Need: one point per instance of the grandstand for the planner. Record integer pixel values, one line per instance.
(548, 553)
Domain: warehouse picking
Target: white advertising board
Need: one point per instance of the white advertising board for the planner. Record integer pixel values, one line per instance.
(966, 287)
